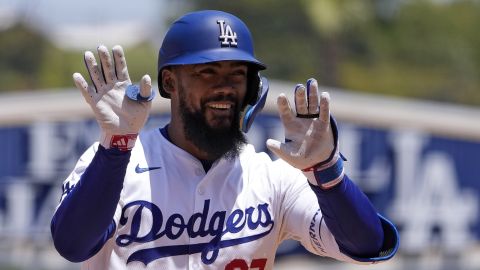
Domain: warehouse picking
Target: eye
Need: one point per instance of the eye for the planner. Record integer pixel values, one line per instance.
(239, 73)
(207, 71)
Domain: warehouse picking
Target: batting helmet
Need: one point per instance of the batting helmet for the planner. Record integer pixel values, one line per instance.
(210, 36)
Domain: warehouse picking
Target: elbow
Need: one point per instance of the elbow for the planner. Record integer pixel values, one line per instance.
(368, 243)
(373, 242)
(70, 254)
(370, 248)
(67, 247)
(69, 251)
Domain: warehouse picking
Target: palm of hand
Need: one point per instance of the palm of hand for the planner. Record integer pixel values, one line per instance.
(307, 141)
(308, 136)
(116, 114)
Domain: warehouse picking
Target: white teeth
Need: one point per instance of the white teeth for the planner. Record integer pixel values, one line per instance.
(220, 106)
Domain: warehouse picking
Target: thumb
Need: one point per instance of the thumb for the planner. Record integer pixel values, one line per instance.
(146, 86)
(277, 148)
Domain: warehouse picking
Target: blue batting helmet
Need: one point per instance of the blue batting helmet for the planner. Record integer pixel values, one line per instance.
(210, 36)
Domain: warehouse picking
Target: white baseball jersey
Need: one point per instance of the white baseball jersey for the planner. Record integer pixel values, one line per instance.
(174, 215)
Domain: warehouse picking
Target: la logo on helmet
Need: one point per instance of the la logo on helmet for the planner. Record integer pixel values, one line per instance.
(227, 37)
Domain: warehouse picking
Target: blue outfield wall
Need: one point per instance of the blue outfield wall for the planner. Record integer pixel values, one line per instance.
(428, 185)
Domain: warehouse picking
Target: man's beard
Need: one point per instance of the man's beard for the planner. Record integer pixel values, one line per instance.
(215, 142)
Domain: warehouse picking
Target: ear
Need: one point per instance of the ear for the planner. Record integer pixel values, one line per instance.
(168, 80)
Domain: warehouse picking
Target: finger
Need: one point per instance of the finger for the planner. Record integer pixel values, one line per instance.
(323, 121)
(82, 85)
(106, 64)
(301, 100)
(276, 147)
(120, 63)
(312, 96)
(324, 107)
(285, 110)
(282, 150)
(93, 70)
(146, 86)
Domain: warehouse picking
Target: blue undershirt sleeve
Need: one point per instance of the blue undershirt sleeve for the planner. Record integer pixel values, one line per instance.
(84, 220)
(351, 218)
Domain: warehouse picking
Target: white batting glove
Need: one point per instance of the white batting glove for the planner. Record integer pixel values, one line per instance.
(121, 109)
(311, 137)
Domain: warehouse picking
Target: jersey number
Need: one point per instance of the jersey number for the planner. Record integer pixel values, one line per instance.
(240, 264)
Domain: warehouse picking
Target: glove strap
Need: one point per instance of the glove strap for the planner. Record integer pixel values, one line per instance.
(123, 142)
(326, 175)
(329, 172)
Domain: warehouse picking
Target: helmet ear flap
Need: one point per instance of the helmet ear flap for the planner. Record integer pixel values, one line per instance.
(253, 86)
(251, 111)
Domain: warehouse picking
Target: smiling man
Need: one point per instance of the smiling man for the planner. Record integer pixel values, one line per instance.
(194, 194)
(208, 98)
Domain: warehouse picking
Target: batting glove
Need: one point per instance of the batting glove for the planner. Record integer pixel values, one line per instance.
(311, 137)
(121, 109)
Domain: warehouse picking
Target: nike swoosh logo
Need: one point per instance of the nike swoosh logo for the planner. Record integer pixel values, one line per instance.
(138, 169)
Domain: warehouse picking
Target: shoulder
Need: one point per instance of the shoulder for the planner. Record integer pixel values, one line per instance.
(277, 170)
(148, 141)
(250, 156)
(149, 135)
(86, 157)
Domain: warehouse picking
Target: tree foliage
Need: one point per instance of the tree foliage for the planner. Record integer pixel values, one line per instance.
(423, 49)
(21, 54)
(28, 61)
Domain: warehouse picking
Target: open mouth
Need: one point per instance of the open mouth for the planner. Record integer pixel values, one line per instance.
(220, 106)
(220, 113)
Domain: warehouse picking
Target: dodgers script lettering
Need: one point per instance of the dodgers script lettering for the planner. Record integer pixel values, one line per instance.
(253, 222)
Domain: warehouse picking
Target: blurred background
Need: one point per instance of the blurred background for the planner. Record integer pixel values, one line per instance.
(404, 77)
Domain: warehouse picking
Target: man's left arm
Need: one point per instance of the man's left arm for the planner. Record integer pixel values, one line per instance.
(311, 145)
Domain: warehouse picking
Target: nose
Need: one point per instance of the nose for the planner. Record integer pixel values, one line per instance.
(226, 85)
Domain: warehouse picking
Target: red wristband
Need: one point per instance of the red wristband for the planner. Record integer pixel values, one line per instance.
(123, 142)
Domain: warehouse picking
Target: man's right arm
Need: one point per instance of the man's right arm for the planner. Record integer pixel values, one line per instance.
(83, 222)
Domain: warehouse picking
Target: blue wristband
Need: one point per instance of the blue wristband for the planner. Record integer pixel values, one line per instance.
(324, 176)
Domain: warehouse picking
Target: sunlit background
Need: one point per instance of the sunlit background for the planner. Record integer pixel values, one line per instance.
(404, 77)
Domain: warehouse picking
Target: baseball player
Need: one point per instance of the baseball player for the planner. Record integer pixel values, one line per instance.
(194, 194)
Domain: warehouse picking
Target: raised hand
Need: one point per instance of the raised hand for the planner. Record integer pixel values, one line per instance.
(310, 135)
(121, 109)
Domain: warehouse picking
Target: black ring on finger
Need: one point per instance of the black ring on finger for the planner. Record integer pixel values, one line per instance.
(313, 115)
